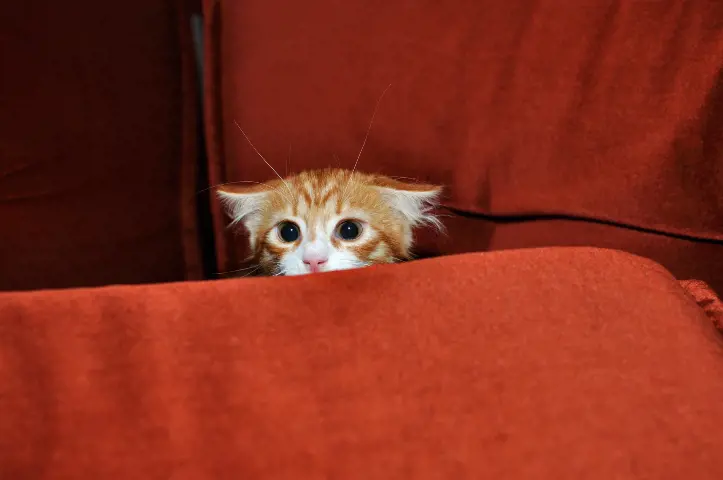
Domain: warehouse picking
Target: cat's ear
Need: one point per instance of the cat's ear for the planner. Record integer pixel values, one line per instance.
(414, 201)
(244, 204)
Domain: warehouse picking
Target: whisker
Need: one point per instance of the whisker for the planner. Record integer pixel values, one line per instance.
(253, 268)
(288, 160)
(369, 129)
(366, 137)
(250, 273)
(264, 159)
(278, 272)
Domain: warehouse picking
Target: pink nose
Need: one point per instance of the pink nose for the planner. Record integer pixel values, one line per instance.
(314, 261)
(315, 255)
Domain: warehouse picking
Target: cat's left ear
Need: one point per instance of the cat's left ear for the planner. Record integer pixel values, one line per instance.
(244, 204)
(414, 201)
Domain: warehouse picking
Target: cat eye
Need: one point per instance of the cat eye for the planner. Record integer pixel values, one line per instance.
(348, 230)
(289, 231)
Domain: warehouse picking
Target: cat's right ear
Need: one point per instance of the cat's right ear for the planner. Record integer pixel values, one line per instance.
(244, 204)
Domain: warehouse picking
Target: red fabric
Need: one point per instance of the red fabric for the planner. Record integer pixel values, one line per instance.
(706, 299)
(546, 364)
(93, 166)
(596, 110)
(683, 257)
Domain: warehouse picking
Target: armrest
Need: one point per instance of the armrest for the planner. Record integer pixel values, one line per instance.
(540, 363)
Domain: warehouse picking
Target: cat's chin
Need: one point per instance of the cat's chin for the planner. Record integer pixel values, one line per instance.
(297, 272)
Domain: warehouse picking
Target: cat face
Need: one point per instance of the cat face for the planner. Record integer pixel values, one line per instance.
(324, 220)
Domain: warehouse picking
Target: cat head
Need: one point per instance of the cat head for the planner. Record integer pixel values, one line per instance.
(333, 219)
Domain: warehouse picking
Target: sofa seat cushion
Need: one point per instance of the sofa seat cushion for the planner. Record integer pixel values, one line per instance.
(534, 363)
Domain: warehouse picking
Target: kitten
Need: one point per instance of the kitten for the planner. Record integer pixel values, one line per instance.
(332, 219)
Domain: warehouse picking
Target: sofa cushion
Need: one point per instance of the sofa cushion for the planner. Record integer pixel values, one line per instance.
(601, 110)
(97, 150)
(536, 363)
(707, 299)
(684, 258)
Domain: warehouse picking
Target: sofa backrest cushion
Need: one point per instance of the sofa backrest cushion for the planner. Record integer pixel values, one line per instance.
(609, 111)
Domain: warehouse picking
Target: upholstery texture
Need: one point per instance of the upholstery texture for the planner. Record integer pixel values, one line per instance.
(685, 258)
(97, 144)
(601, 111)
(707, 299)
(558, 363)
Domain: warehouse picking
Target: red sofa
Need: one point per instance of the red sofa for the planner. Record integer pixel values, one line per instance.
(565, 327)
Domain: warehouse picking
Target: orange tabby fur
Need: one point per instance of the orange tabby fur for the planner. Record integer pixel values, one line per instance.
(318, 202)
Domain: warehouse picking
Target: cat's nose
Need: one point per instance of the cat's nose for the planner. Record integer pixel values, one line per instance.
(314, 265)
(314, 260)
(315, 256)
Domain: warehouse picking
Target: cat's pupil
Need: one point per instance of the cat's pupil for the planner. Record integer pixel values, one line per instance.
(348, 230)
(289, 232)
